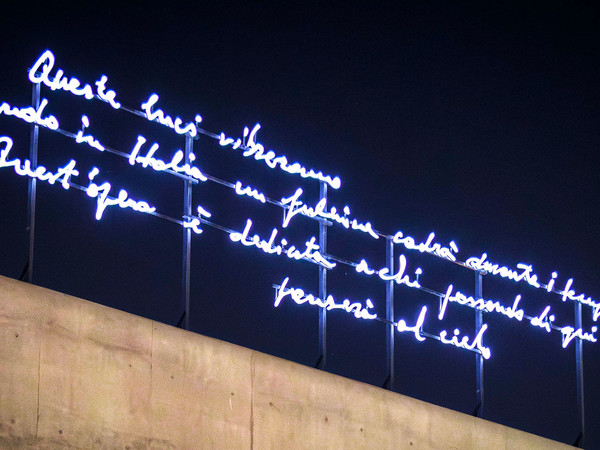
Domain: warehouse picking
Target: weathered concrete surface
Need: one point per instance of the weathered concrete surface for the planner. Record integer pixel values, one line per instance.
(77, 374)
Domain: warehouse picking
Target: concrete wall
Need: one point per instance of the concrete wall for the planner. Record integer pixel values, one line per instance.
(74, 373)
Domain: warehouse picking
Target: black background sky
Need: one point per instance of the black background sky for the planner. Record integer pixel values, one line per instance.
(478, 122)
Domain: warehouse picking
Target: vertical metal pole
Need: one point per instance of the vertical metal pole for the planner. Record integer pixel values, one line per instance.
(323, 284)
(389, 315)
(479, 357)
(32, 190)
(187, 238)
(579, 371)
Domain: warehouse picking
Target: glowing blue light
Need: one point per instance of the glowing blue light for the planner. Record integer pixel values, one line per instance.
(63, 174)
(249, 191)
(359, 310)
(257, 150)
(402, 326)
(481, 304)
(464, 342)
(101, 193)
(159, 165)
(310, 252)
(384, 273)
(164, 119)
(427, 247)
(45, 64)
(296, 206)
(88, 139)
(31, 115)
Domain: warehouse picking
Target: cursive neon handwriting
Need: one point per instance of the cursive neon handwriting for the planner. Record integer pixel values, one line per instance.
(87, 139)
(570, 333)
(73, 85)
(427, 247)
(481, 263)
(100, 192)
(399, 277)
(257, 150)
(481, 304)
(254, 193)
(63, 174)
(570, 294)
(464, 341)
(159, 165)
(194, 222)
(31, 115)
(310, 252)
(402, 326)
(359, 310)
(543, 320)
(159, 116)
(296, 206)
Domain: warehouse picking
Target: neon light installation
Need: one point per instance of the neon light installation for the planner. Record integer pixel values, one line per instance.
(194, 222)
(122, 200)
(464, 342)
(570, 333)
(63, 174)
(257, 150)
(310, 252)
(73, 85)
(570, 294)
(88, 139)
(159, 165)
(495, 269)
(399, 277)
(164, 119)
(31, 115)
(427, 247)
(297, 207)
(359, 310)
(481, 305)
(249, 191)
(402, 326)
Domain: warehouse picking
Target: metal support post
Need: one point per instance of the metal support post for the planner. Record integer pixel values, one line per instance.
(32, 189)
(187, 239)
(322, 363)
(579, 371)
(479, 357)
(389, 315)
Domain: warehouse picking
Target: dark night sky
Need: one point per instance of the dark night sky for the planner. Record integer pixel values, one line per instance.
(478, 122)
